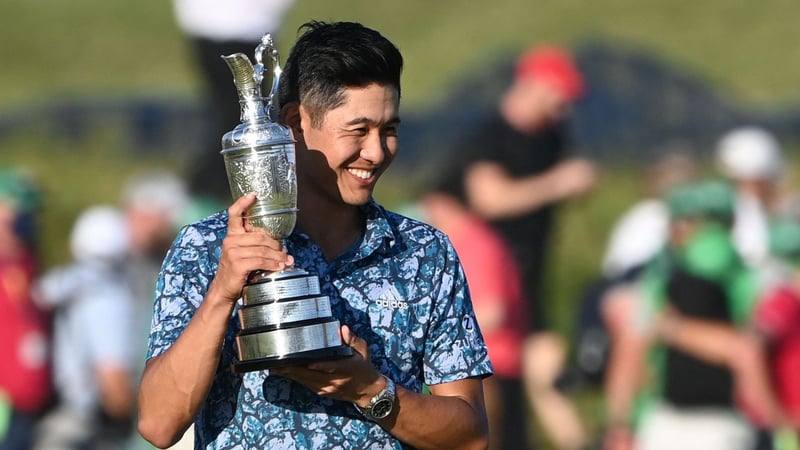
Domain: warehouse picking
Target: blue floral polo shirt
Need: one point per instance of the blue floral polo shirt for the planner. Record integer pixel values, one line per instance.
(402, 289)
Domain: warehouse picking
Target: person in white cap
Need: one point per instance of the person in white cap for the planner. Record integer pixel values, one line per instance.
(752, 158)
(93, 341)
(215, 28)
(155, 204)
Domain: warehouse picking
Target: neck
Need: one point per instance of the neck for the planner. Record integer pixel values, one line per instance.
(334, 229)
(512, 118)
(11, 247)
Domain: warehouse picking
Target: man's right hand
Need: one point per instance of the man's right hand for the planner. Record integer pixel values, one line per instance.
(245, 249)
(573, 177)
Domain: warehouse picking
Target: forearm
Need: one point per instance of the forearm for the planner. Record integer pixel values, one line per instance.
(753, 380)
(494, 194)
(738, 350)
(439, 421)
(116, 392)
(175, 383)
(624, 376)
(711, 341)
(513, 198)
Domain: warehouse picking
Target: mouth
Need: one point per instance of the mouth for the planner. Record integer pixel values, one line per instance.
(361, 173)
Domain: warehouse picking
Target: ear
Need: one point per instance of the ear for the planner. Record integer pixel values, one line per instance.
(290, 116)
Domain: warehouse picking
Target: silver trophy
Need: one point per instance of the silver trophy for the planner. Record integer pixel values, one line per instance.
(284, 317)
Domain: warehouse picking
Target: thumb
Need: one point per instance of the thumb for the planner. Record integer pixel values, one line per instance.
(351, 340)
(237, 223)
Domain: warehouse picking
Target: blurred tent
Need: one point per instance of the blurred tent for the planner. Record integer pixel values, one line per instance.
(636, 106)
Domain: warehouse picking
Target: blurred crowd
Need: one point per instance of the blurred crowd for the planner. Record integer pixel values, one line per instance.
(691, 330)
(74, 336)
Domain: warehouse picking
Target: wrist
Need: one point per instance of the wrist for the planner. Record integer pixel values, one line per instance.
(215, 308)
(381, 405)
(371, 391)
(216, 296)
(668, 327)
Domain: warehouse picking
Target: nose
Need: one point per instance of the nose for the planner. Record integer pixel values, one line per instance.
(375, 148)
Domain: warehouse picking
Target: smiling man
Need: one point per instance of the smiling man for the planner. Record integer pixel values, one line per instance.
(395, 284)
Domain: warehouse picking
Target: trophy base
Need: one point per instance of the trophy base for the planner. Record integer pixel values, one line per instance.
(286, 320)
(294, 359)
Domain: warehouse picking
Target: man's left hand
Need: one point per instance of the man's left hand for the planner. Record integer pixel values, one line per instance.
(351, 379)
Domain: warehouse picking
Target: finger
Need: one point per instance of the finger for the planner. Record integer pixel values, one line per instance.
(284, 371)
(346, 335)
(301, 374)
(237, 211)
(351, 340)
(359, 346)
(254, 256)
(256, 237)
(253, 250)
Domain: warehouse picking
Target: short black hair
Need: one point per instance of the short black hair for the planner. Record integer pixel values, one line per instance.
(329, 57)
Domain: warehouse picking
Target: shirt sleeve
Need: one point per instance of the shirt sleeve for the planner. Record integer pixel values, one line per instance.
(182, 284)
(455, 348)
(778, 313)
(109, 326)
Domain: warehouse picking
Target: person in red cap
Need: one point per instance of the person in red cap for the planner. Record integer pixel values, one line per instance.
(512, 171)
(546, 84)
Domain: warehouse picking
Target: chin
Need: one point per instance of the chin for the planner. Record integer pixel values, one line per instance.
(360, 202)
(357, 200)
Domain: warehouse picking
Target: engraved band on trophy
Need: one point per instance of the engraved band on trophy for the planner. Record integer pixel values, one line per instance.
(284, 317)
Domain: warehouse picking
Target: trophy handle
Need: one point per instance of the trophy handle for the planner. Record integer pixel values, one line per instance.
(267, 45)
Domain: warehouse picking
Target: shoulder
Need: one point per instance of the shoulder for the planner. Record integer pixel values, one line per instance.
(650, 212)
(711, 253)
(417, 234)
(199, 238)
(209, 229)
(475, 236)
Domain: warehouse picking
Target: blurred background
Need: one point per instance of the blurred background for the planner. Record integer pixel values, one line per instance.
(92, 91)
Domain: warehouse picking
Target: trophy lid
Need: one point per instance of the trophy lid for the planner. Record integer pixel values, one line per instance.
(258, 127)
(250, 136)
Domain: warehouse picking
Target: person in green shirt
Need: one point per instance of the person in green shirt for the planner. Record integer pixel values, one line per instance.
(683, 356)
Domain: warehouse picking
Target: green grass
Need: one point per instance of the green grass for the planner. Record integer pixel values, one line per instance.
(72, 176)
(57, 49)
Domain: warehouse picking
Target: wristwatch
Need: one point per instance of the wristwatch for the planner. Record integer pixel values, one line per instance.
(382, 404)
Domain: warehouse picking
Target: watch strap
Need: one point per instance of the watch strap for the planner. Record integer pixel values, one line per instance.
(388, 393)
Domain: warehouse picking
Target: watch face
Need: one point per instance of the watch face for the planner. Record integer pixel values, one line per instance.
(382, 408)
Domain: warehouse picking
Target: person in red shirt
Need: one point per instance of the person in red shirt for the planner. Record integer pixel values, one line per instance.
(777, 318)
(513, 169)
(496, 291)
(25, 386)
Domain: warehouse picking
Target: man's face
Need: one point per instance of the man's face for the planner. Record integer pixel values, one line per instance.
(538, 104)
(344, 157)
(150, 230)
(8, 215)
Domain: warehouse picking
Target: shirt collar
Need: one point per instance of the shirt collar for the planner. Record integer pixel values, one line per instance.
(379, 234)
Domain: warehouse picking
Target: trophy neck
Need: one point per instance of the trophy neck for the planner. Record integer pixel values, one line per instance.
(253, 111)
(247, 80)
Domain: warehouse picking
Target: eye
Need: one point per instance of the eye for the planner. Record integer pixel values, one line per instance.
(391, 130)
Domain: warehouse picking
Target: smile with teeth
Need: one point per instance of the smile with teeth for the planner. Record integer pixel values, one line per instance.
(361, 173)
